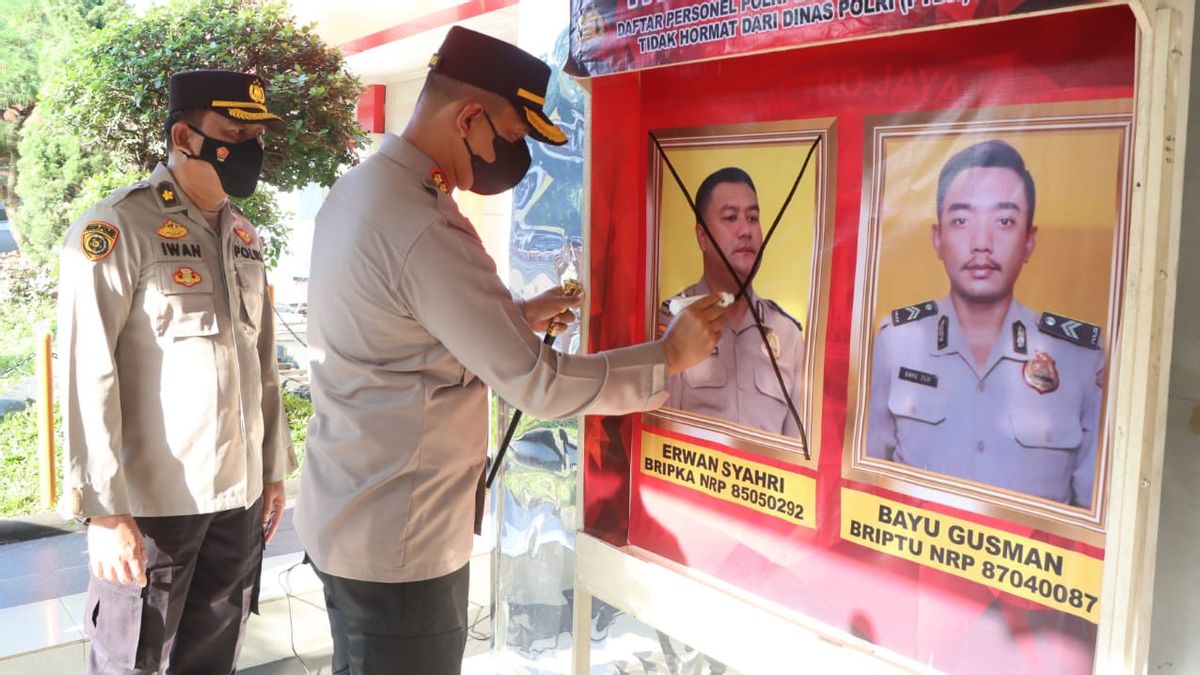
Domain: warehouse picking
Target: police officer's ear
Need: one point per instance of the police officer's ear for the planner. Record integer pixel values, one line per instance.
(182, 137)
(701, 238)
(468, 116)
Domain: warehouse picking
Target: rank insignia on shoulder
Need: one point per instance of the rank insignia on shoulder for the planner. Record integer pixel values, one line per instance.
(1041, 373)
(1066, 328)
(166, 194)
(171, 230)
(186, 277)
(245, 235)
(99, 239)
(913, 312)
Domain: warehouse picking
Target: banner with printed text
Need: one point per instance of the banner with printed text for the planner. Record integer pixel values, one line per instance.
(611, 36)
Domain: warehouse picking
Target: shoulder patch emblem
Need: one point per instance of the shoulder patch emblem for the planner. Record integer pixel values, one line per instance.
(186, 277)
(245, 235)
(172, 230)
(166, 194)
(99, 239)
(913, 312)
(1066, 328)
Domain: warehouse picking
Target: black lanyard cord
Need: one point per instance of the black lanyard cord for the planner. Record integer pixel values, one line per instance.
(744, 286)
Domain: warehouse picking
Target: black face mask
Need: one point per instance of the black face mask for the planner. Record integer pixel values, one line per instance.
(238, 165)
(511, 165)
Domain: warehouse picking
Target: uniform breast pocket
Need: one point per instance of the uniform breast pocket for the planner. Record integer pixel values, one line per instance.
(1049, 425)
(708, 373)
(916, 403)
(187, 308)
(768, 385)
(252, 287)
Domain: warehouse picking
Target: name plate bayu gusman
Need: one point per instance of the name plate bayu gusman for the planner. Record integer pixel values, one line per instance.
(764, 488)
(1049, 575)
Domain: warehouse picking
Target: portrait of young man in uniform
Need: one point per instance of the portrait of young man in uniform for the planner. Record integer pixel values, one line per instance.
(737, 382)
(976, 385)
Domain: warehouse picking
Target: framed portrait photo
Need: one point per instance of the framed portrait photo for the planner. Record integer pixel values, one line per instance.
(991, 260)
(760, 389)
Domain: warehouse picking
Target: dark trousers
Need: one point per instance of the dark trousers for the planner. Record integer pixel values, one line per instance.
(412, 628)
(202, 578)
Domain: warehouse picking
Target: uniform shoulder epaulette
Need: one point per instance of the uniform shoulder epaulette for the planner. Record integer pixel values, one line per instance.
(167, 193)
(785, 314)
(915, 312)
(120, 194)
(1072, 330)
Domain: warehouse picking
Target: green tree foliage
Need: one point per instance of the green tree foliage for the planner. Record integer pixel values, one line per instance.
(34, 34)
(103, 111)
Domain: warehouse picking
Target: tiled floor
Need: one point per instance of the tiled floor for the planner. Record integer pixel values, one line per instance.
(44, 634)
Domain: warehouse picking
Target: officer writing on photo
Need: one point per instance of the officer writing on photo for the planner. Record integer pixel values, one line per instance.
(409, 325)
(977, 385)
(736, 382)
(176, 439)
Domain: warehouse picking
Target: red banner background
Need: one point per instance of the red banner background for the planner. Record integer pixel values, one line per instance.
(930, 616)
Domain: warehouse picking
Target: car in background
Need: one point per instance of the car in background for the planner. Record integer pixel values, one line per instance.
(7, 242)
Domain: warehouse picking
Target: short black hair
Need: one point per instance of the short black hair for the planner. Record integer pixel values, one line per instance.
(440, 89)
(191, 116)
(986, 155)
(730, 174)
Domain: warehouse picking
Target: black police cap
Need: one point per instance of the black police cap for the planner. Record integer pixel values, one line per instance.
(239, 96)
(503, 69)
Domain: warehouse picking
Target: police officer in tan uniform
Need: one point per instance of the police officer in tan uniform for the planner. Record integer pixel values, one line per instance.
(409, 325)
(176, 440)
(736, 382)
(976, 385)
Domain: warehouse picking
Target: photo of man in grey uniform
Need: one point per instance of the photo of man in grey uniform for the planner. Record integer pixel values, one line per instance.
(736, 382)
(976, 385)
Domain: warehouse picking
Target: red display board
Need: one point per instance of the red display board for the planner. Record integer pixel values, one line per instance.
(971, 570)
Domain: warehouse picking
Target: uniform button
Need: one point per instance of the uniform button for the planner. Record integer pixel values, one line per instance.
(981, 387)
(979, 446)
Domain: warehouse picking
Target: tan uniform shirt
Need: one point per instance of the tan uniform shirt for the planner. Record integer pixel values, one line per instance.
(408, 320)
(167, 351)
(736, 383)
(1027, 420)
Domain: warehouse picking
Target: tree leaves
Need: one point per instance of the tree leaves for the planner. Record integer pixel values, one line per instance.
(111, 93)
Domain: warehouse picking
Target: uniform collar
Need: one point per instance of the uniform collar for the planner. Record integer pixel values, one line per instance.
(407, 155)
(172, 199)
(701, 288)
(1017, 321)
